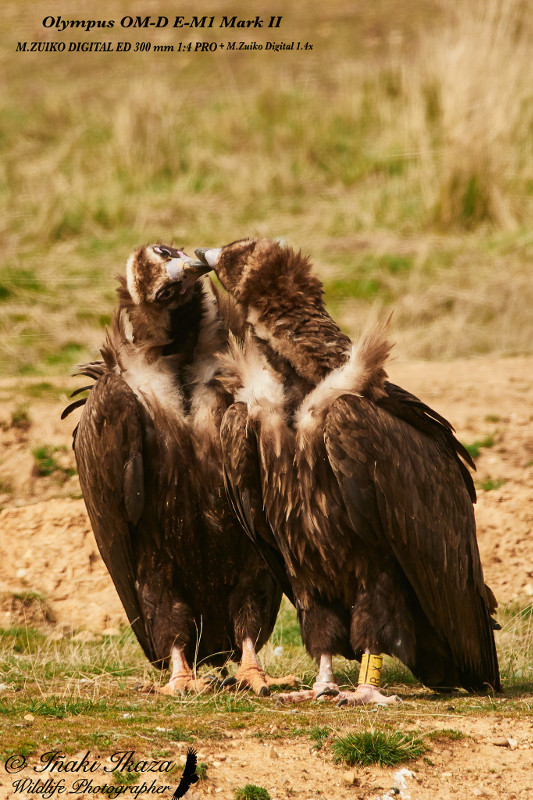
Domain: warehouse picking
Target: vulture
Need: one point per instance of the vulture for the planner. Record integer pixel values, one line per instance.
(147, 447)
(356, 485)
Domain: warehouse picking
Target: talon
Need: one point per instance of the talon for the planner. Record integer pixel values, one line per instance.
(327, 692)
(263, 692)
(342, 702)
(231, 681)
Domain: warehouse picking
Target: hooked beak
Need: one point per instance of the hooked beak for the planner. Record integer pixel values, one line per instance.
(192, 270)
(208, 255)
(186, 269)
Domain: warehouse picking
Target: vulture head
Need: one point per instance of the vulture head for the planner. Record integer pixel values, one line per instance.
(282, 301)
(162, 275)
(255, 271)
(160, 295)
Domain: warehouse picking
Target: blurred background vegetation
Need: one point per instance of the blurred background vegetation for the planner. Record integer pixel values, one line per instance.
(397, 153)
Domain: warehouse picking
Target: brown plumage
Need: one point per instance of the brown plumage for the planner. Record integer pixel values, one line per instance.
(365, 491)
(149, 460)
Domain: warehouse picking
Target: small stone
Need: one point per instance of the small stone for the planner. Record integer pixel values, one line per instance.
(29, 717)
(446, 774)
(4, 687)
(349, 778)
(272, 753)
(505, 741)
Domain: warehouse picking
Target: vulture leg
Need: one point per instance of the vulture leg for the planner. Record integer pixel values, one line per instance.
(182, 679)
(250, 674)
(325, 685)
(367, 689)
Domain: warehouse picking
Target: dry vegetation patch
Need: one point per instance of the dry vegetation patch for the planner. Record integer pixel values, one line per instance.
(396, 152)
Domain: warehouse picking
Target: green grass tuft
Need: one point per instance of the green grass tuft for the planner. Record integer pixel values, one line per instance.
(126, 778)
(475, 448)
(319, 734)
(449, 734)
(251, 792)
(178, 735)
(20, 418)
(46, 463)
(490, 485)
(377, 747)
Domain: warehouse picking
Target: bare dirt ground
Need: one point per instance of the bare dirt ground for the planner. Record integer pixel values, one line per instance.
(46, 546)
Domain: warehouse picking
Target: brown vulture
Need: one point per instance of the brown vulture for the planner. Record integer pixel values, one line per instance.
(360, 486)
(147, 447)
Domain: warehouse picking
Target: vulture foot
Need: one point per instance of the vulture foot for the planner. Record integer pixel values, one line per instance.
(321, 690)
(364, 694)
(181, 685)
(252, 677)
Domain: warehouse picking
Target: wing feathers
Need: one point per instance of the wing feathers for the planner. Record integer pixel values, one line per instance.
(108, 448)
(134, 487)
(411, 491)
(243, 485)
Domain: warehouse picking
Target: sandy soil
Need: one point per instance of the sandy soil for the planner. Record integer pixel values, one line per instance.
(477, 766)
(46, 546)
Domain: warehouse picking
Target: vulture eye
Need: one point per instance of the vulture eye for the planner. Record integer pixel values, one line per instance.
(162, 251)
(165, 293)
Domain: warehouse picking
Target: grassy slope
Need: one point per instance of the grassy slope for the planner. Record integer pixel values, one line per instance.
(397, 153)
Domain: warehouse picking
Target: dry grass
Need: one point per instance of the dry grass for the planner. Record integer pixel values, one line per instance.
(81, 696)
(403, 131)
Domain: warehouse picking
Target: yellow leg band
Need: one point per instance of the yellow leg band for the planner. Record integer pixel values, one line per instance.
(370, 671)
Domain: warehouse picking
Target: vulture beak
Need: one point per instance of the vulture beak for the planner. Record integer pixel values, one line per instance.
(192, 270)
(208, 256)
(185, 269)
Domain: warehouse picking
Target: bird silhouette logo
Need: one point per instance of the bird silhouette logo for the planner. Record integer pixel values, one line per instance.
(189, 774)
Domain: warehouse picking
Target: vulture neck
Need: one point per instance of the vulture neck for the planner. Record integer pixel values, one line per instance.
(167, 332)
(302, 334)
(153, 349)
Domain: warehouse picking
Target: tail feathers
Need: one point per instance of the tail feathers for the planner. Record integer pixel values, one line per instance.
(371, 355)
(362, 374)
(94, 370)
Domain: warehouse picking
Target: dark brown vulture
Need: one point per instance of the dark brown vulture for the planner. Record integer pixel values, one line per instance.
(360, 486)
(148, 452)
